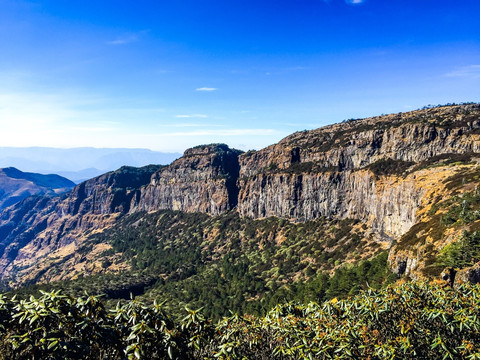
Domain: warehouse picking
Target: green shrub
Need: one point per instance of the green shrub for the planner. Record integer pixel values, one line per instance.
(405, 321)
(463, 253)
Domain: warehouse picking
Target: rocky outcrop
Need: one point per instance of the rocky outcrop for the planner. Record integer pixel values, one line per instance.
(108, 193)
(203, 180)
(325, 172)
(470, 274)
(457, 277)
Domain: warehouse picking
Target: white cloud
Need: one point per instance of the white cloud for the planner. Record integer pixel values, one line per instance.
(355, 2)
(123, 40)
(470, 71)
(226, 132)
(59, 120)
(128, 38)
(186, 125)
(206, 89)
(191, 116)
(92, 128)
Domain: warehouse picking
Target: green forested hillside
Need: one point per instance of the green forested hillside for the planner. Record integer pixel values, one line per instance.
(229, 263)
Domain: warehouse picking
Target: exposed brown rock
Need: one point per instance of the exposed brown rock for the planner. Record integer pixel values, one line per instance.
(348, 194)
(470, 274)
(203, 180)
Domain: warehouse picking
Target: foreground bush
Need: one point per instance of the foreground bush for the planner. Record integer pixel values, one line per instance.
(406, 321)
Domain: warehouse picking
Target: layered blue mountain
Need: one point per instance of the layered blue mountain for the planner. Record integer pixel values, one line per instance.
(16, 185)
(79, 164)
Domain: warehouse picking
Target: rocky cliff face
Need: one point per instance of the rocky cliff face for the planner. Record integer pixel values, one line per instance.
(389, 205)
(203, 180)
(326, 172)
(109, 193)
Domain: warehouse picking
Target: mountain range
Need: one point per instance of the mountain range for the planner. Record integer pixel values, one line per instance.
(79, 164)
(16, 185)
(396, 191)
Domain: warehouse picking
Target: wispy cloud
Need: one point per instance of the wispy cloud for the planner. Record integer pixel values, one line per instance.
(123, 40)
(206, 89)
(92, 128)
(226, 132)
(355, 2)
(271, 71)
(127, 38)
(191, 116)
(187, 125)
(470, 71)
(54, 117)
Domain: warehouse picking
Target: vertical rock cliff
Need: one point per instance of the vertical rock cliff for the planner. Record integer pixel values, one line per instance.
(203, 180)
(389, 205)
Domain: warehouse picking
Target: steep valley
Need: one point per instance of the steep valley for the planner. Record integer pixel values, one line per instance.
(366, 200)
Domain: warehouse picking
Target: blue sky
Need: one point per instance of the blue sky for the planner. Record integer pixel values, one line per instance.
(167, 75)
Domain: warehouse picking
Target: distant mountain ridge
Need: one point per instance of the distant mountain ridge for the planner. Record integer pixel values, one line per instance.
(15, 185)
(79, 164)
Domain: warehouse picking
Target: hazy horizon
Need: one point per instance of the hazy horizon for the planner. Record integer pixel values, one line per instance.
(79, 164)
(169, 76)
